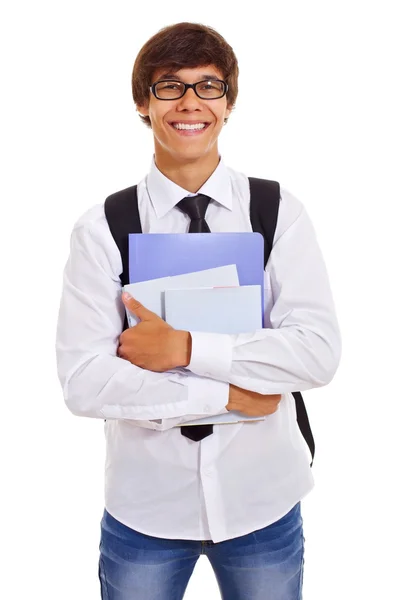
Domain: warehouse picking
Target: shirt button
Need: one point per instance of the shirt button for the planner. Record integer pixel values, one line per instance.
(207, 374)
(207, 408)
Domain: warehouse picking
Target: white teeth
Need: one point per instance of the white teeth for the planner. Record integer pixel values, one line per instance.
(187, 126)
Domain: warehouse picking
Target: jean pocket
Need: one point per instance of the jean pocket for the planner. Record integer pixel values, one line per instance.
(287, 526)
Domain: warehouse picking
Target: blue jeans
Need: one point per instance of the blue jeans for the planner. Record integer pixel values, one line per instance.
(264, 565)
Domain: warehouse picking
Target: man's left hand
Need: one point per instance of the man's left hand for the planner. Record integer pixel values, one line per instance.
(153, 344)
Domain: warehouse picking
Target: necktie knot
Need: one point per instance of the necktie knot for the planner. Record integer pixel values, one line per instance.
(195, 207)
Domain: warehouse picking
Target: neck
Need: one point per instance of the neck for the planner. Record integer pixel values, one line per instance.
(188, 174)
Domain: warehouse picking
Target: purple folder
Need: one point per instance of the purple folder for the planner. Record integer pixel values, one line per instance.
(154, 255)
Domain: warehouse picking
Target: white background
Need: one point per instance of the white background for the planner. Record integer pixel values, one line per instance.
(318, 111)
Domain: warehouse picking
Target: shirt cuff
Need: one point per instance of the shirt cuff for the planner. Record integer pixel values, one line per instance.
(211, 355)
(206, 396)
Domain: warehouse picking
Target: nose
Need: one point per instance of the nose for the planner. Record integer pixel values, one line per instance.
(189, 101)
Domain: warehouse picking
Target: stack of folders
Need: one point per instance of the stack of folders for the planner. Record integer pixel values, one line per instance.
(204, 282)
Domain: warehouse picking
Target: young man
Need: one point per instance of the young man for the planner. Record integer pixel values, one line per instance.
(235, 494)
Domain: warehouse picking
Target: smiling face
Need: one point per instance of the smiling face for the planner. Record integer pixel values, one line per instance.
(172, 121)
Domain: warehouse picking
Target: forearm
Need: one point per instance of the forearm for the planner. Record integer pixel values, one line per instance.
(268, 361)
(301, 348)
(95, 381)
(103, 386)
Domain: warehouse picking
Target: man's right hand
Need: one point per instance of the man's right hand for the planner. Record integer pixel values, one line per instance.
(252, 404)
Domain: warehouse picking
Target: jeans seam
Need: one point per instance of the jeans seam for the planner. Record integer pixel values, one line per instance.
(300, 595)
(102, 570)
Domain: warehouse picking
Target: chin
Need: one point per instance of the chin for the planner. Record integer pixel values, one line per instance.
(188, 156)
(188, 151)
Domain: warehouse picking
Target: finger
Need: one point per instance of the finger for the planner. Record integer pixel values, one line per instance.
(121, 352)
(137, 309)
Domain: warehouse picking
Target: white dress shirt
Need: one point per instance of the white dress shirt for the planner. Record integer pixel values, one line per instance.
(244, 476)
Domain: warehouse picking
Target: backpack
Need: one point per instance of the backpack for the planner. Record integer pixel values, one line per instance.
(122, 214)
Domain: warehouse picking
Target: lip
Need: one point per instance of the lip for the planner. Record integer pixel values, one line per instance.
(189, 132)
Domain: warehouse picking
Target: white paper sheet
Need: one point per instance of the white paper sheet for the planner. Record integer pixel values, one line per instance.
(151, 293)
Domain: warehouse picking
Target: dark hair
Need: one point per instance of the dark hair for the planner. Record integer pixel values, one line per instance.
(184, 45)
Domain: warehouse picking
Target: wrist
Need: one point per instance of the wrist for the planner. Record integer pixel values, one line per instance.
(234, 398)
(183, 344)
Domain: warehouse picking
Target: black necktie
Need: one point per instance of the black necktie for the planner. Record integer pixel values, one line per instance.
(195, 207)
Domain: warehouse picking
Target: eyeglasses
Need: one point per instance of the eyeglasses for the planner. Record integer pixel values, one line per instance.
(210, 89)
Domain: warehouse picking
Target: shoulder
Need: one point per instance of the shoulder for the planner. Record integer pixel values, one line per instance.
(92, 218)
(91, 236)
(290, 206)
(290, 209)
(93, 224)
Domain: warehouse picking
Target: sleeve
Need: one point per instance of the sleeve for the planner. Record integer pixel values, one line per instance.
(301, 348)
(95, 381)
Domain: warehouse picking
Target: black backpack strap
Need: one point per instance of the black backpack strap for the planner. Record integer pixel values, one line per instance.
(304, 423)
(264, 209)
(122, 214)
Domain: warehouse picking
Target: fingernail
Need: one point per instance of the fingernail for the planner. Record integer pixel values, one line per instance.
(125, 296)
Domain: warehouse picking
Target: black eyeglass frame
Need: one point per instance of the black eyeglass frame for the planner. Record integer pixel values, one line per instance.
(188, 86)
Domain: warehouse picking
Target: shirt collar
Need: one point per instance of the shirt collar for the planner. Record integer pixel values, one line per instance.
(165, 194)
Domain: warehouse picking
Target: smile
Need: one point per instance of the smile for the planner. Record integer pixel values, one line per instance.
(189, 128)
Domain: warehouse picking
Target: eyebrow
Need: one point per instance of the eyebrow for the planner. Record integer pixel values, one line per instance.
(176, 77)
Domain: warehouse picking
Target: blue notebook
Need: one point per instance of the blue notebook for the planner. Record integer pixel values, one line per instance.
(155, 255)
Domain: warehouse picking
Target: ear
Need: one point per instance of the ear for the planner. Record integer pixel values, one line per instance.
(143, 109)
(228, 110)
